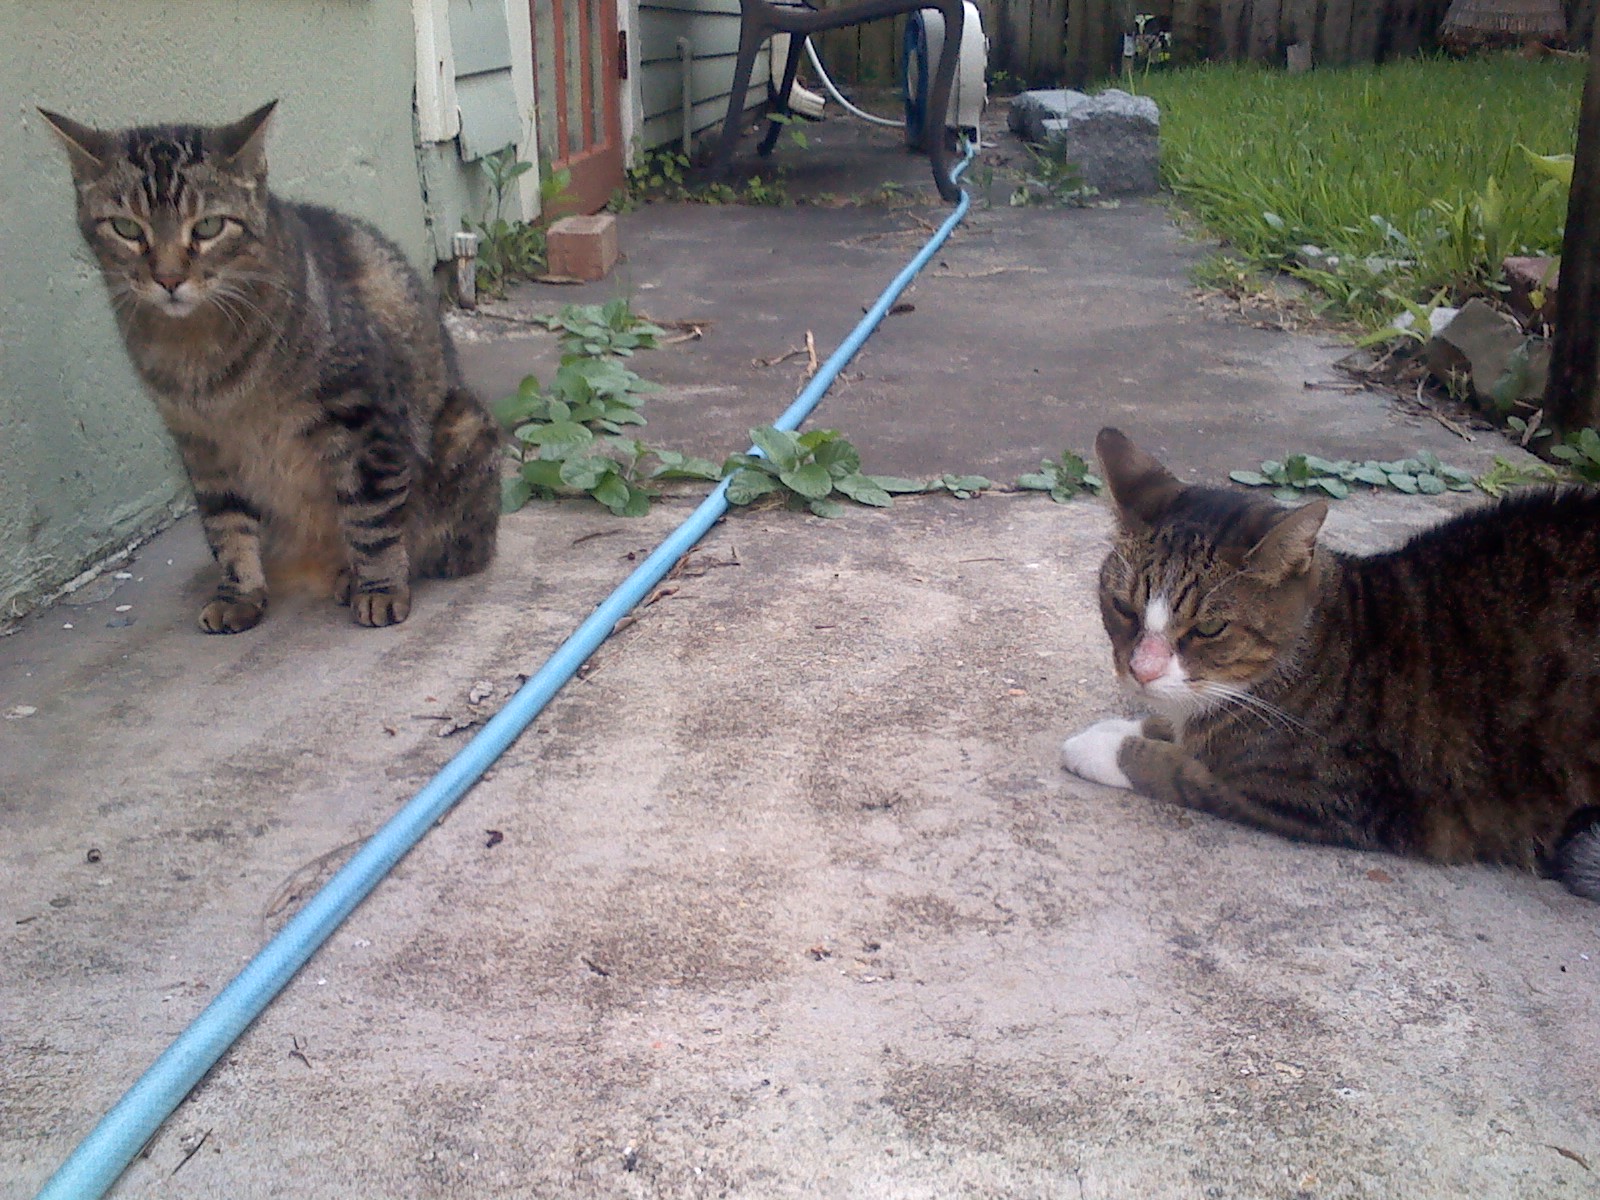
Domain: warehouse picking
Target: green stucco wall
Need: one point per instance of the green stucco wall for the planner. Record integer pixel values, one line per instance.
(85, 465)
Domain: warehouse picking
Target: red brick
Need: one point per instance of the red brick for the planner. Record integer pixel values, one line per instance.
(582, 247)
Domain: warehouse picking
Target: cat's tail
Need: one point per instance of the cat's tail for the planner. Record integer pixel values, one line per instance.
(1577, 857)
(455, 533)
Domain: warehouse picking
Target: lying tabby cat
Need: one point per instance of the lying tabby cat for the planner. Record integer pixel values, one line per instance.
(1439, 700)
(300, 365)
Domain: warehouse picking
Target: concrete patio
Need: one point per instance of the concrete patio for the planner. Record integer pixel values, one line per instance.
(786, 896)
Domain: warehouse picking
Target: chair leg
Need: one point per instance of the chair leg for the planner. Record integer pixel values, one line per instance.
(938, 142)
(750, 38)
(797, 46)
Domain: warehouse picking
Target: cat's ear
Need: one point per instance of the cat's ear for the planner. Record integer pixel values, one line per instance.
(244, 143)
(1141, 486)
(88, 149)
(1289, 547)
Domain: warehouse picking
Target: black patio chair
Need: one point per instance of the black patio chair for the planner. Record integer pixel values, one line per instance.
(760, 19)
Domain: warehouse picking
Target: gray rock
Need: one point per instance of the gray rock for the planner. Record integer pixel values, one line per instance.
(1489, 351)
(1113, 138)
(1031, 110)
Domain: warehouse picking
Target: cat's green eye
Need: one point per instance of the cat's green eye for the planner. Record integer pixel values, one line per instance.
(1209, 629)
(207, 228)
(127, 227)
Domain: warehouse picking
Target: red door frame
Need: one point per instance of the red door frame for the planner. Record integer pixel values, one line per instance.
(596, 165)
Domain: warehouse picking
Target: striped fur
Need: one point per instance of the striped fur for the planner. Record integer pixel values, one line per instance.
(300, 365)
(1440, 700)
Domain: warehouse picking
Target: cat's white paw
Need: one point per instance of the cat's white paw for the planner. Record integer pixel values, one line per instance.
(1093, 753)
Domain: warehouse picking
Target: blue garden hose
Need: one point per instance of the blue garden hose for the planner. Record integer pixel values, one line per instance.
(105, 1153)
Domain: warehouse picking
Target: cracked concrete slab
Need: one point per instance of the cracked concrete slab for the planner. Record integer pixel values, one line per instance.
(788, 895)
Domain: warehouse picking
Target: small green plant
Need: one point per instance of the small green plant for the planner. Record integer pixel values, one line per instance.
(1414, 325)
(663, 174)
(715, 192)
(569, 438)
(611, 469)
(962, 487)
(1474, 235)
(1557, 166)
(1052, 179)
(1506, 475)
(1528, 432)
(1581, 454)
(1229, 275)
(794, 128)
(1065, 478)
(511, 249)
(1143, 49)
(1004, 83)
(808, 470)
(1299, 474)
(766, 192)
(597, 330)
(656, 175)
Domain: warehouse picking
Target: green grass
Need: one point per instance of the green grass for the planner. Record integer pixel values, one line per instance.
(1415, 161)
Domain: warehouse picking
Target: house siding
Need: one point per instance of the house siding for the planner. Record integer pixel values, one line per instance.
(712, 27)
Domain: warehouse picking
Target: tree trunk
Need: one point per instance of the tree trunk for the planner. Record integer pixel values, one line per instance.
(1572, 396)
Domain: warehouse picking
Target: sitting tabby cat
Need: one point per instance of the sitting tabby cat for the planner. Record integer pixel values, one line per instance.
(298, 362)
(1439, 700)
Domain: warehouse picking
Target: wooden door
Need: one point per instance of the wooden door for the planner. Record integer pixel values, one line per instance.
(578, 73)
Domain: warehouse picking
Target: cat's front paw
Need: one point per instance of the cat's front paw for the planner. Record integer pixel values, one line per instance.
(377, 608)
(1093, 753)
(232, 616)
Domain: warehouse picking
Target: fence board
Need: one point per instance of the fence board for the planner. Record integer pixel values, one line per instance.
(1297, 22)
(1047, 41)
(1581, 23)
(1364, 18)
(1233, 17)
(1333, 34)
(840, 53)
(1265, 18)
(877, 53)
(1190, 30)
(1016, 18)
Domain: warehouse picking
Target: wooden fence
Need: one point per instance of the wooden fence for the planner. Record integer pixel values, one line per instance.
(1048, 43)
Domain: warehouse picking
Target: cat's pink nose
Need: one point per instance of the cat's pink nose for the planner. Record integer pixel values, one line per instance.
(171, 282)
(1150, 657)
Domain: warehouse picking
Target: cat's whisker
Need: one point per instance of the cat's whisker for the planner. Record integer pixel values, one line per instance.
(237, 305)
(263, 279)
(226, 305)
(1243, 698)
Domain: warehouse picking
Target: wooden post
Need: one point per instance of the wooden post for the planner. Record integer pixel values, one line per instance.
(1572, 395)
(1082, 26)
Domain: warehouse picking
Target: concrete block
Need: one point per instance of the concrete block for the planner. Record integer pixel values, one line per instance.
(582, 247)
(1488, 350)
(1030, 110)
(1114, 140)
